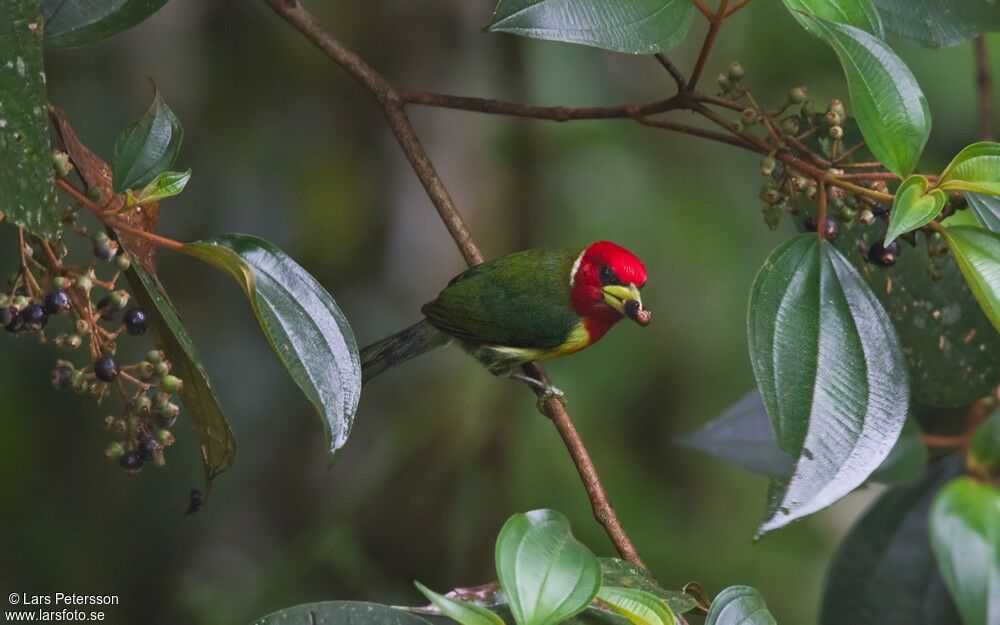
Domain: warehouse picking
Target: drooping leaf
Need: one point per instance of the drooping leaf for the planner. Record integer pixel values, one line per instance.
(887, 102)
(914, 207)
(884, 571)
(739, 605)
(166, 184)
(625, 574)
(341, 613)
(830, 370)
(301, 321)
(215, 437)
(464, 613)
(939, 23)
(27, 186)
(146, 147)
(976, 168)
(638, 606)
(71, 23)
(546, 573)
(986, 208)
(633, 26)
(965, 535)
(977, 252)
(984, 448)
(858, 13)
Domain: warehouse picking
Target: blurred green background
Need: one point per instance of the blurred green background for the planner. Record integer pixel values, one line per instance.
(284, 145)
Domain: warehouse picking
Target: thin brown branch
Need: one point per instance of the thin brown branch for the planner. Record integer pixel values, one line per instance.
(672, 70)
(821, 203)
(711, 135)
(707, 12)
(392, 105)
(736, 7)
(551, 113)
(984, 88)
(715, 23)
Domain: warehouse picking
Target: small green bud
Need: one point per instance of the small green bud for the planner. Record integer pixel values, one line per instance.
(145, 369)
(118, 299)
(767, 165)
(4, 300)
(171, 384)
(79, 382)
(60, 282)
(84, 284)
(114, 451)
(866, 216)
(123, 262)
(143, 404)
(165, 437)
(724, 83)
(74, 341)
(770, 194)
(797, 95)
(61, 163)
(82, 327)
(20, 302)
(833, 118)
(109, 421)
(836, 132)
(95, 194)
(735, 70)
(749, 117)
(161, 368)
(154, 356)
(791, 125)
(119, 426)
(837, 107)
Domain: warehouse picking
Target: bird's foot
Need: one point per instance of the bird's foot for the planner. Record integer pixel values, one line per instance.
(547, 390)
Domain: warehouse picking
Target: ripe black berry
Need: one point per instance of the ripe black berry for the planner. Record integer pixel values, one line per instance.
(880, 210)
(57, 301)
(15, 322)
(62, 378)
(34, 318)
(884, 255)
(130, 461)
(136, 322)
(809, 224)
(104, 247)
(148, 447)
(106, 369)
(831, 229)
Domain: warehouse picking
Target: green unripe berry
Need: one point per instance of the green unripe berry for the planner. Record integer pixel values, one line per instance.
(118, 299)
(101, 237)
(837, 107)
(4, 300)
(95, 194)
(772, 215)
(84, 284)
(833, 118)
(791, 125)
(735, 70)
(165, 437)
(767, 165)
(171, 384)
(749, 117)
(724, 83)
(114, 451)
(146, 370)
(154, 356)
(143, 404)
(866, 216)
(60, 282)
(82, 327)
(797, 95)
(161, 368)
(836, 132)
(123, 262)
(770, 194)
(61, 163)
(20, 302)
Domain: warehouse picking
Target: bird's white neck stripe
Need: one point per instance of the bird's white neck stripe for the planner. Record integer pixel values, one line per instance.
(576, 267)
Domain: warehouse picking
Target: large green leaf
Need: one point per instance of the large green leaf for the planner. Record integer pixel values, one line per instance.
(739, 605)
(638, 606)
(634, 26)
(27, 191)
(965, 535)
(830, 370)
(215, 437)
(884, 571)
(341, 613)
(146, 147)
(460, 611)
(858, 13)
(939, 23)
(547, 574)
(976, 168)
(914, 207)
(71, 23)
(977, 252)
(888, 104)
(986, 209)
(625, 574)
(301, 321)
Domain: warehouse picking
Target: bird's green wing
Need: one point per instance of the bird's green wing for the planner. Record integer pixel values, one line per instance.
(520, 300)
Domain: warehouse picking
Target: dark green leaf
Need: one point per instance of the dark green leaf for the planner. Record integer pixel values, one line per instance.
(939, 23)
(830, 370)
(71, 23)
(215, 437)
(634, 26)
(914, 207)
(976, 168)
(858, 13)
(341, 613)
(965, 536)
(147, 146)
(739, 605)
(622, 573)
(166, 184)
(889, 106)
(884, 570)
(977, 252)
(464, 613)
(302, 322)
(27, 191)
(986, 209)
(547, 574)
(638, 606)
(984, 448)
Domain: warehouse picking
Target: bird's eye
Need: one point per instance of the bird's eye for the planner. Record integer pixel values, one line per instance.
(608, 276)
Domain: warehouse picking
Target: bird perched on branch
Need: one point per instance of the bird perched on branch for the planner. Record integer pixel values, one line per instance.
(533, 305)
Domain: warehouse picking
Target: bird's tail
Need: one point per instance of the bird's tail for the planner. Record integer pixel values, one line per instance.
(415, 340)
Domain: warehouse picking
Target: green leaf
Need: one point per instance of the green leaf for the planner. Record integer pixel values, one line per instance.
(977, 252)
(215, 437)
(907, 459)
(830, 370)
(976, 168)
(633, 26)
(638, 606)
(166, 184)
(891, 109)
(547, 574)
(301, 321)
(965, 535)
(858, 13)
(986, 209)
(71, 23)
(939, 23)
(914, 207)
(341, 613)
(739, 605)
(464, 613)
(984, 448)
(146, 147)
(27, 187)
(625, 574)
(884, 571)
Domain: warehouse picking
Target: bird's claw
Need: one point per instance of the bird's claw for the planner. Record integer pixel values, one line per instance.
(546, 391)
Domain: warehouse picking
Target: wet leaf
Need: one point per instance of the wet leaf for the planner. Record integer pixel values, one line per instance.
(624, 574)
(464, 613)
(914, 207)
(858, 13)
(638, 606)
(976, 168)
(341, 613)
(70, 23)
(166, 184)
(939, 23)
(739, 605)
(146, 147)
(986, 209)
(977, 252)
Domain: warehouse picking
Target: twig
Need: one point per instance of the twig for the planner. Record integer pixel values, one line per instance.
(707, 12)
(672, 70)
(984, 87)
(736, 7)
(392, 105)
(551, 113)
(715, 23)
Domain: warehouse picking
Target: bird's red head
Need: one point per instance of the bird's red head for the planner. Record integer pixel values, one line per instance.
(606, 279)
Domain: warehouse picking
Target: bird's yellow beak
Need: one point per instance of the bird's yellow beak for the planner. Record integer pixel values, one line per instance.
(627, 301)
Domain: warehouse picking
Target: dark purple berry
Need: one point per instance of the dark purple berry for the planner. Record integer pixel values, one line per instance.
(105, 249)
(136, 322)
(148, 448)
(15, 322)
(830, 229)
(106, 369)
(62, 378)
(880, 210)
(57, 301)
(809, 224)
(34, 318)
(131, 461)
(884, 255)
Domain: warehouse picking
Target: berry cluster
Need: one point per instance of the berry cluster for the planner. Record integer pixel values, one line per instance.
(96, 315)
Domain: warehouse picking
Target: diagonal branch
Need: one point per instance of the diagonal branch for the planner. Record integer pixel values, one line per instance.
(392, 104)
